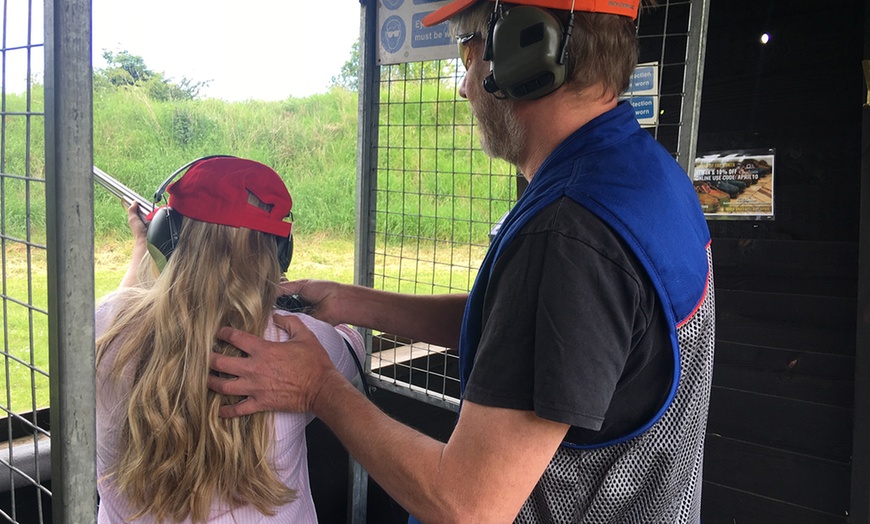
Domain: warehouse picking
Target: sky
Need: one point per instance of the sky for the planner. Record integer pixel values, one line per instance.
(246, 49)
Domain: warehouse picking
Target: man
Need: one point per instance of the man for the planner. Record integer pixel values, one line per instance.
(586, 344)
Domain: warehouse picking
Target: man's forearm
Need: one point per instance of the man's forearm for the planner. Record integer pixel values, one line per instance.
(404, 462)
(483, 474)
(435, 319)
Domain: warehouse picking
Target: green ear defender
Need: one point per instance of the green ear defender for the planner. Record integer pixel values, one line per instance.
(526, 48)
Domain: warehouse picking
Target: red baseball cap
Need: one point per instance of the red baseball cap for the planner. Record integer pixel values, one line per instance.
(215, 190)
(627, 8)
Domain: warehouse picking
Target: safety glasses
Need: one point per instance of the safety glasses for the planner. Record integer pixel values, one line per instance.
(463, 43)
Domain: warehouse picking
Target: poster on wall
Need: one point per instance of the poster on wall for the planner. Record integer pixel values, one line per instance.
(736, 184)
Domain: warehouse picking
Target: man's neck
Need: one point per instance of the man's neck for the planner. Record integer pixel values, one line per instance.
(550, 120)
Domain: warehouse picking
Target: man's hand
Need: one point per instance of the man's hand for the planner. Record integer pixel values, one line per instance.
(276, 376)
(321, 294)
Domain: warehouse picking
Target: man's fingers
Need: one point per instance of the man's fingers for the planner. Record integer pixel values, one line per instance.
(227, 364)
(245, 407)
(244, 341)
(225, 386)
(234, 387)
(292, 324)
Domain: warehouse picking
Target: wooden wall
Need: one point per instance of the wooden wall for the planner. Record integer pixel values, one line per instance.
(779, 440)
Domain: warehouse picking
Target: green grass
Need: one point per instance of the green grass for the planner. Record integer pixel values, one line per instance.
(436, 198)
(26, 327)
(25, 334)
(429, 165)
(319, 256)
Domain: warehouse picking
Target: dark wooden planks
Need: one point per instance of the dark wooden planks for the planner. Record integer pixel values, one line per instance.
(798, 322)
(794, 374)
(784, 266)
(786, 424)
(725, 505)
(782, 477)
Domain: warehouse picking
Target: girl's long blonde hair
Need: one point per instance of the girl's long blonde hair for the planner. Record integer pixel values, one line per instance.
(176, 455)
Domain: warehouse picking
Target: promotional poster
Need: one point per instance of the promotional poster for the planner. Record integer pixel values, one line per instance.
(736, 184)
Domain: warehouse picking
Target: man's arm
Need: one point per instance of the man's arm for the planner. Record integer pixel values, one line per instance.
(435, 319)
(484, 472)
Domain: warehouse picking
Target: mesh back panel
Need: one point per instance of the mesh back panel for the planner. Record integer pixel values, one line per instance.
(653, 478)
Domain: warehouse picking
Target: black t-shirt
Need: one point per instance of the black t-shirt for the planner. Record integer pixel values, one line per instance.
(573, 329)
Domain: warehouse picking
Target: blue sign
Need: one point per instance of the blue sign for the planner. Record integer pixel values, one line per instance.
(643, 79)
(393, 34)
(429, 36)
(644, 107)
(392, 5)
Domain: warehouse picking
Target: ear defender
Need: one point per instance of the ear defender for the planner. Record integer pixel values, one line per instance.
(285, 252)
(526, 47)
(162, 234)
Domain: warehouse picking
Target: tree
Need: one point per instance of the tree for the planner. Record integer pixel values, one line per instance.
(126, 69)
(348, 78)
(129, 71)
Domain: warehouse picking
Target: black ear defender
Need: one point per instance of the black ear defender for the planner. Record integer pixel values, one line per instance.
(285, 251)
(165, 226)
(526, 48)
(162, 235)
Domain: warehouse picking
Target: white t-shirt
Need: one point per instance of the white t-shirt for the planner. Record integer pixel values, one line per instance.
(290, 449)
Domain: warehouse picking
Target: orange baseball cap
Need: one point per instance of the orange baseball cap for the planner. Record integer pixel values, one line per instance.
(627, 8)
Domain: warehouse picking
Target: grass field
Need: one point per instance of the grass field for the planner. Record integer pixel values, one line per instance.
(432, 186)
(319, 256)
(25, 319)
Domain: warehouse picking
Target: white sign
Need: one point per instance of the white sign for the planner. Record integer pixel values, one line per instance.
(643, 93)
(402, 37)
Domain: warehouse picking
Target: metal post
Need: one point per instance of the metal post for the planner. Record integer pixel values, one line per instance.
(859, 510)
(70, 239)
(366, 182)
(693, 80)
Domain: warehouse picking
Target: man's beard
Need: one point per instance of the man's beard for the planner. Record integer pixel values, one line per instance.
(501, 134)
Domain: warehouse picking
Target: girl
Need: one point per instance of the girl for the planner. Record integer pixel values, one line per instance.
(163, 453)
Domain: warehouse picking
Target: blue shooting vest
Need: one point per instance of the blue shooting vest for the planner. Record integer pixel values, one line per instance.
(616, 170)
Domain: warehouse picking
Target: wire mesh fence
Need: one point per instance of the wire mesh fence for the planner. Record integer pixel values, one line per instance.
(25, 457)
(438, 196)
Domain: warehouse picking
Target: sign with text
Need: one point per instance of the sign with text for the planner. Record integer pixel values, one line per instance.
(735, 184)
(402, 37)
(643, 93)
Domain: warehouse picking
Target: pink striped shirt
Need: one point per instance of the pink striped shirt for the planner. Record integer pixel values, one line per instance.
(290, 449)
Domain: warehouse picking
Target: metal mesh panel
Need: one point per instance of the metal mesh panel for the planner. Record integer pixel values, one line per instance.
(663, 34)
(24, 459)
(437, 195)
